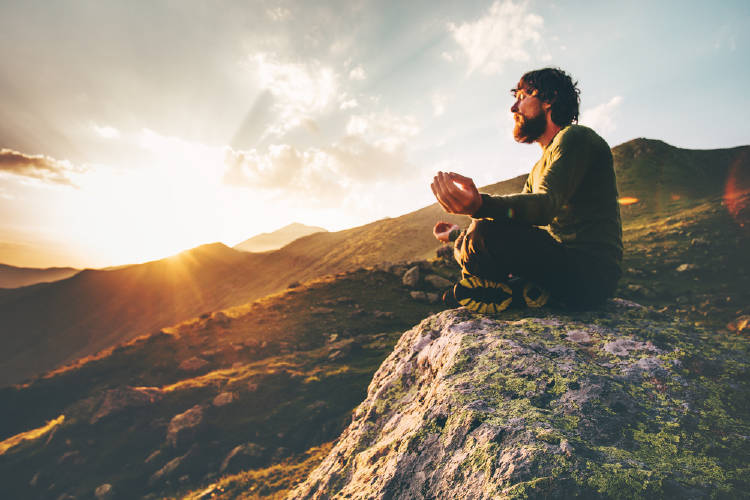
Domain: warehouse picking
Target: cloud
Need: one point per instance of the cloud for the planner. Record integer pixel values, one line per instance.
(300, 90)
(357, 73)
(438, 104)
(39, 167)
(106, 132)
(373, 151)
(504, 34)
(601, 117)
(278, 13)
(383, 129)
(348, 104)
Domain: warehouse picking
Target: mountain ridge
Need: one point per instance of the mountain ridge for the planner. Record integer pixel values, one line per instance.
(96, 309)
(274, 240)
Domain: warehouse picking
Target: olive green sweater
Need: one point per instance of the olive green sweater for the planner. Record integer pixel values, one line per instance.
(572, 193)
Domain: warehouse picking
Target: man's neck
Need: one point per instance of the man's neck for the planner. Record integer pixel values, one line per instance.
(549, 134)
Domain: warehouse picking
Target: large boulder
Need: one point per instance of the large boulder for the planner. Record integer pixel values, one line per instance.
(619, 403)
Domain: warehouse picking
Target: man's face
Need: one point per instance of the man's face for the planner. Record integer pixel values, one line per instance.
(529, 116)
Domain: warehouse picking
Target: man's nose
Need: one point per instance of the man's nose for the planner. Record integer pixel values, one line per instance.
(514, 108)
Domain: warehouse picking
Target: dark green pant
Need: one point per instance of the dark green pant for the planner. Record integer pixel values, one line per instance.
(495, 249)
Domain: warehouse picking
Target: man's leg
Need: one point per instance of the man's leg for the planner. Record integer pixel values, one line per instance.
(496, 249)
(493, 250)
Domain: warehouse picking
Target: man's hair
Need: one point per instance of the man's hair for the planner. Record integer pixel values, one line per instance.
(556, 87)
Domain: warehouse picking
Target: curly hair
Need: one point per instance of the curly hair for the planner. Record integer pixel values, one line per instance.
(556, 87)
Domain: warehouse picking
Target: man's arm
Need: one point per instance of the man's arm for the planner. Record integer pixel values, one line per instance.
(567, 162)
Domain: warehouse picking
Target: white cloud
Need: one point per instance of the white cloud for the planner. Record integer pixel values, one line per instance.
(278, 13)
(505, 33)
(300, 90)
(357, 73)
(323, 176)
(348, 104)
(372, 151)
(106, 132)
(384, 129)
(601, 117)
(438, 104)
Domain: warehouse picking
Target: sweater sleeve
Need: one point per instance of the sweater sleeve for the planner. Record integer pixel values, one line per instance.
(566, 162)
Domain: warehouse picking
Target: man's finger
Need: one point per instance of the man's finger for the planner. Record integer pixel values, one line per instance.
(436, 192)
(464, 181)
(446, 193)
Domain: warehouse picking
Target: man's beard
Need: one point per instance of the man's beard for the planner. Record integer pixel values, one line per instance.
(529, 129)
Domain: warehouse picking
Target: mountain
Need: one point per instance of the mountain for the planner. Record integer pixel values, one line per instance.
(14, 277)
(683, 215)
(265, 242)
(247, 401)
(252, 386)
(96, 309)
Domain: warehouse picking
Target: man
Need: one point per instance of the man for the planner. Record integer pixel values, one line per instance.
(561, 237)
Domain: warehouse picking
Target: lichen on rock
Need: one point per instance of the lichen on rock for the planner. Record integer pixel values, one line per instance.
(617, 403)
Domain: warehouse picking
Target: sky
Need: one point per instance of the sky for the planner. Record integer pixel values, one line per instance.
(130, 131)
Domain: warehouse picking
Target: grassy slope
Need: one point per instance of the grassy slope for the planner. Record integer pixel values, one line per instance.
(96, 309)
(294, 384)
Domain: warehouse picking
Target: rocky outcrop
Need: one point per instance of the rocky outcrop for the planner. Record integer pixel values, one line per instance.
(605, 404)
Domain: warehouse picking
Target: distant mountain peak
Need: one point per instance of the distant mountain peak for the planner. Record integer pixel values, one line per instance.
(265, 242)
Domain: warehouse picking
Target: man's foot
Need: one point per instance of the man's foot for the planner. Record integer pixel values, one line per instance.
(534, 295)
(485, 296)
(449, 299)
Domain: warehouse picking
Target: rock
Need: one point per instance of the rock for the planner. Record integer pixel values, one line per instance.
(579, 336)
(685, 267)
(242, 457)
(699, 242)
(741, 324)
(182, 427)
(152, 456)
(116, 400)
(168, 469)
(411, 277)
(193, 364)
(418, 295)
(444, 252)
(335, 355)
(437, 281)
(223, 399)
(383, 314)
(321, 310)
(432, 298)
(104, 491)
(565, 447)
(550, 405)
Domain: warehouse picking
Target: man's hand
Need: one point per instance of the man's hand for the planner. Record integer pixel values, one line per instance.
(456, 194)
(443, 230)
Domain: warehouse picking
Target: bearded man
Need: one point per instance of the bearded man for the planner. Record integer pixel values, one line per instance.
(561, 237)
